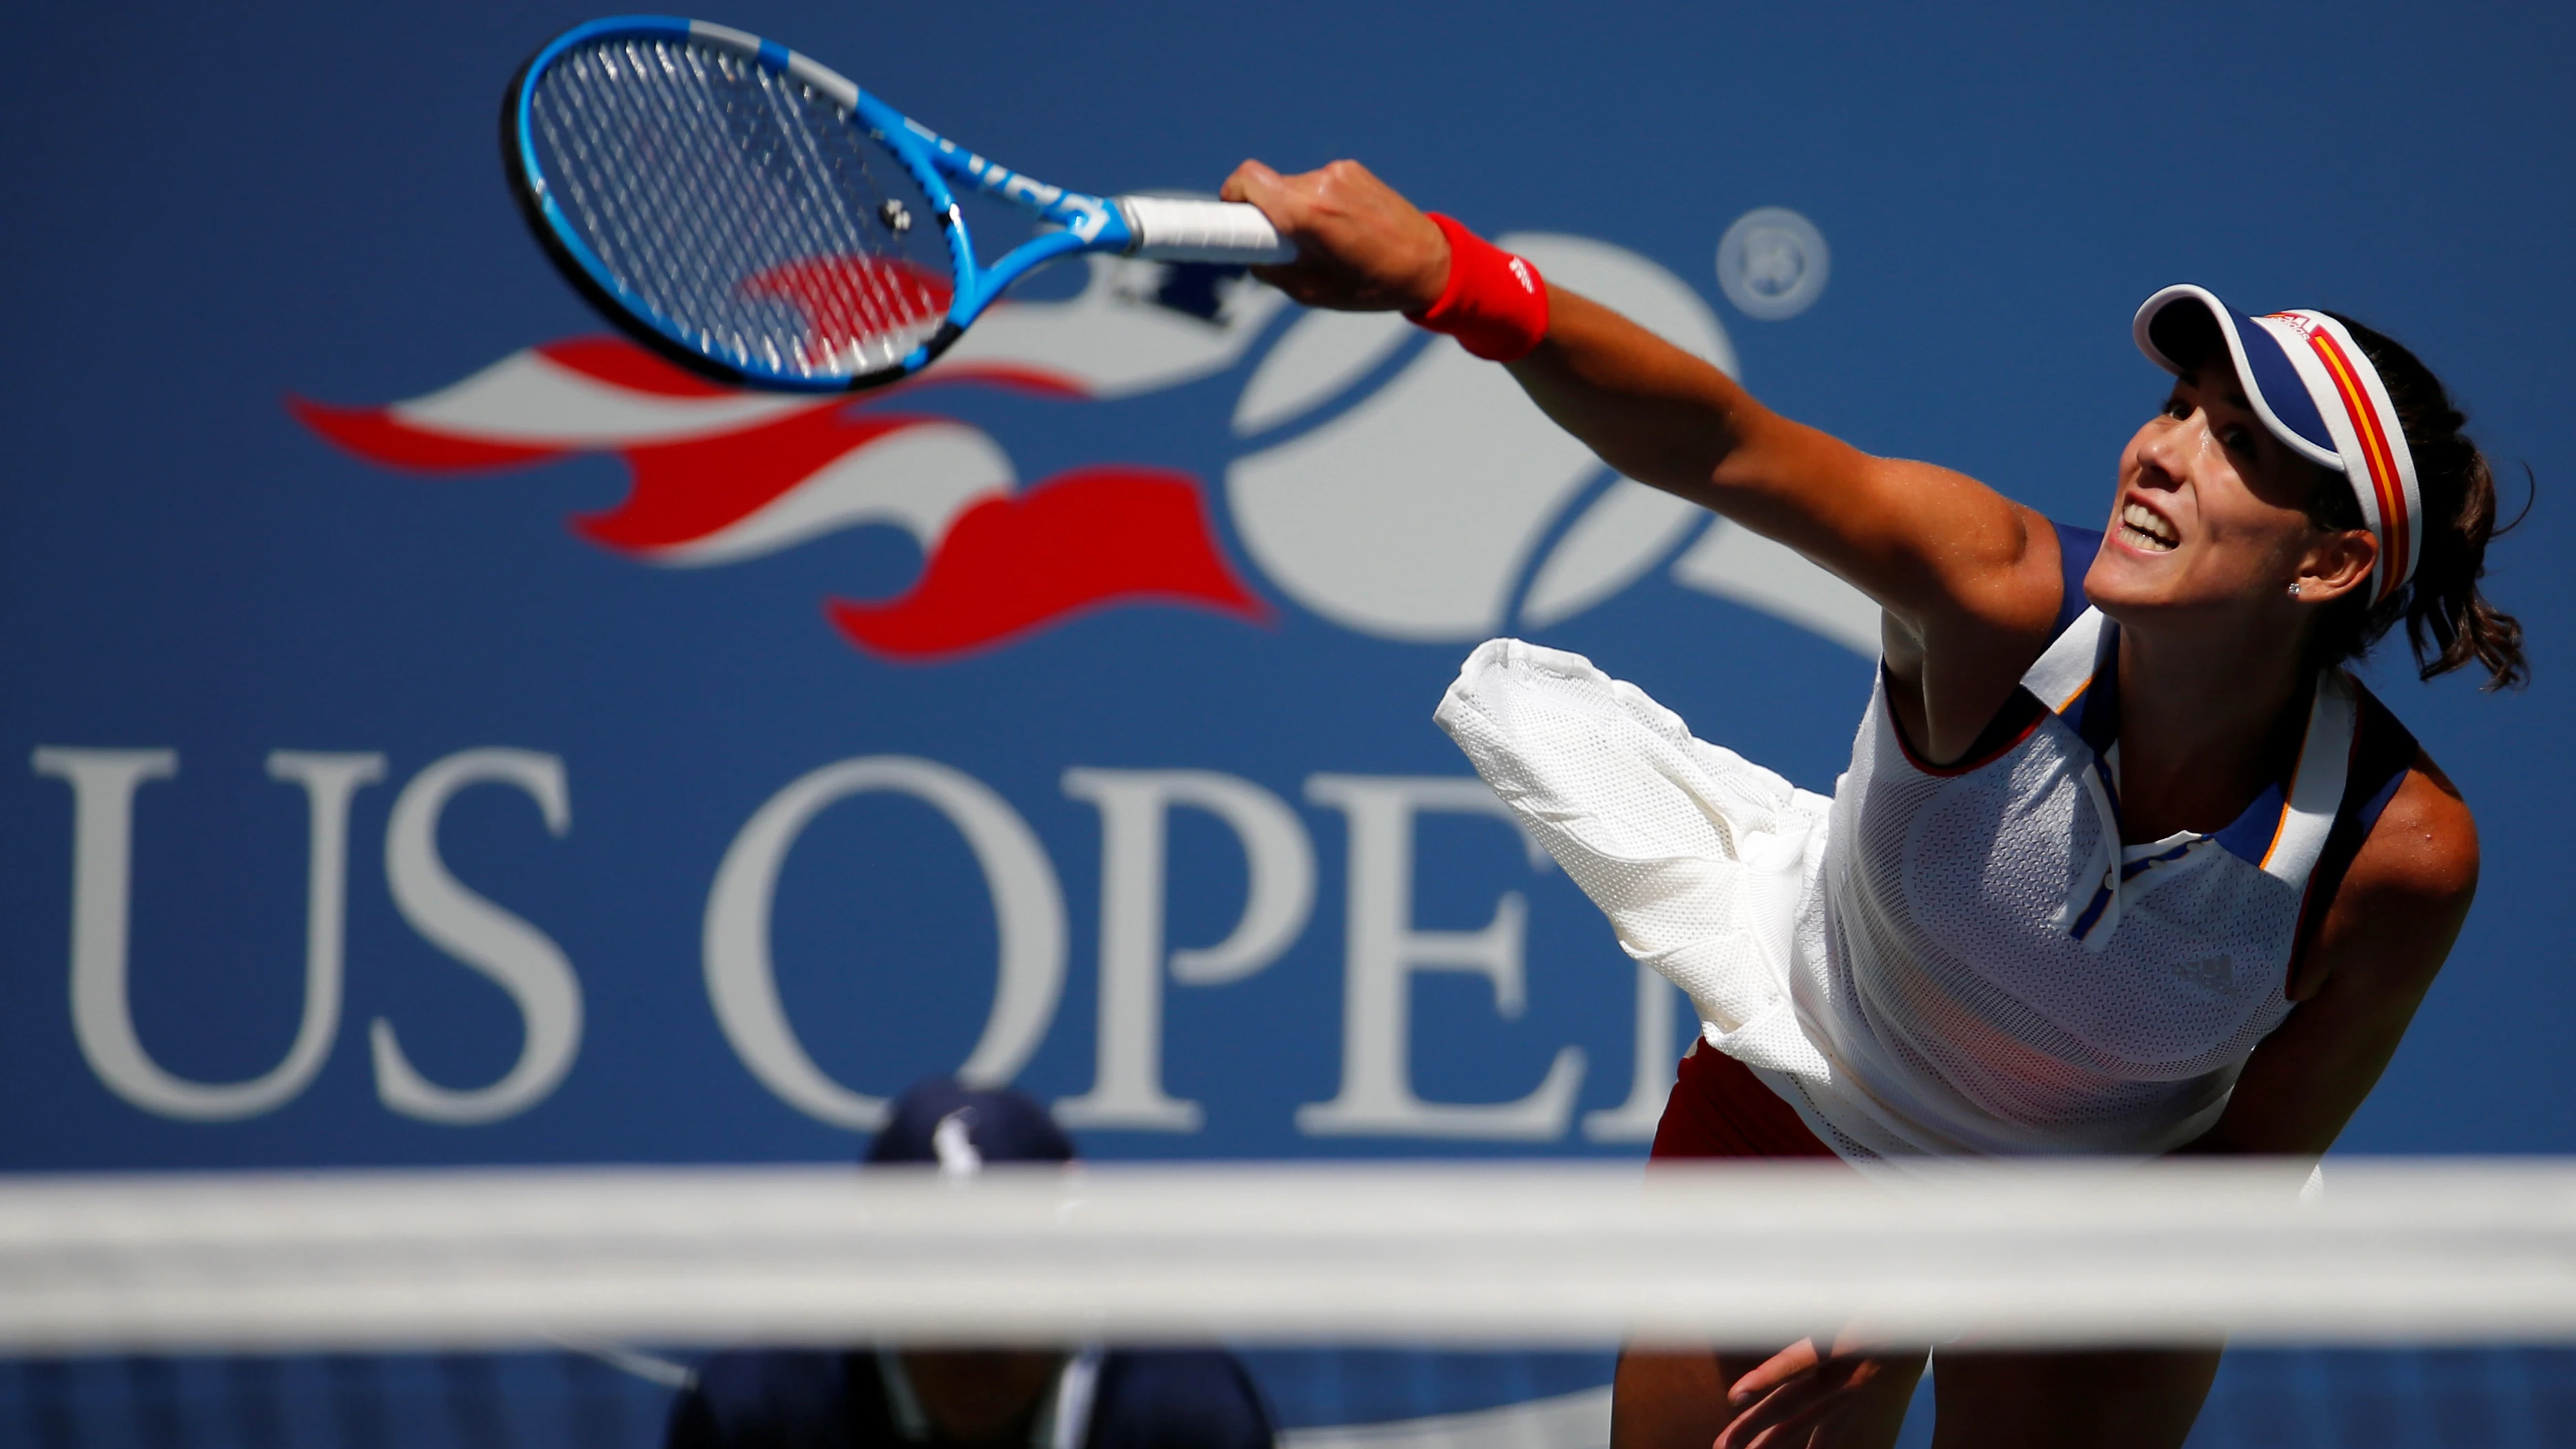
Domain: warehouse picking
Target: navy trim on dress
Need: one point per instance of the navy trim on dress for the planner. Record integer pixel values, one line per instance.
(2075, 550)
(2250, 838)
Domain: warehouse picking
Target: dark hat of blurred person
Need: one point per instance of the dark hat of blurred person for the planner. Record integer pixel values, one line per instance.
(960, 1128)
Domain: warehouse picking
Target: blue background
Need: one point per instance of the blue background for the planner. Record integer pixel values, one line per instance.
(213, 208)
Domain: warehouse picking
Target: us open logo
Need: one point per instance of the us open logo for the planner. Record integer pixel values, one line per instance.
(1772, 263)
(1358, 436)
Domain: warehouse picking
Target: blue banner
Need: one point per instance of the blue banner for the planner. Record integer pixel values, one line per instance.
(450, 734)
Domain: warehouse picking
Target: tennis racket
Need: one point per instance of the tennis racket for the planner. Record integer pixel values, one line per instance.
(760, 219)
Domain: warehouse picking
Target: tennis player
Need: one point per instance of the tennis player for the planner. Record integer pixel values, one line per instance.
(2125, 864)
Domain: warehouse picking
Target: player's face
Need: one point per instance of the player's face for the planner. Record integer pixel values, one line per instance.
(2211, 515)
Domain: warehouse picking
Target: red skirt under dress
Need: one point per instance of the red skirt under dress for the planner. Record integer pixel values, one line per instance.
(1719, 1108)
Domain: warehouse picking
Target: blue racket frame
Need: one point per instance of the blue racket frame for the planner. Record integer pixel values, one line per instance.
(1089, 223)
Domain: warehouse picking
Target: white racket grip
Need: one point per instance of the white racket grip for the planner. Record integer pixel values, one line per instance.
(1183, 229)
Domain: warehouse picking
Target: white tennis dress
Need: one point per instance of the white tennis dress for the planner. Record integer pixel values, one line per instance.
(1934, 961)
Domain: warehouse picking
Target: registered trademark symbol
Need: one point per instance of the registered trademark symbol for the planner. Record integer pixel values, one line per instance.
(1772, 263)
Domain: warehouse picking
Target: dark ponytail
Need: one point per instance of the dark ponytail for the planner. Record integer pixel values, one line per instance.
(2448, 622)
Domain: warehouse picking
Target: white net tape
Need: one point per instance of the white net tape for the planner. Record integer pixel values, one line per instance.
(1459, 1255)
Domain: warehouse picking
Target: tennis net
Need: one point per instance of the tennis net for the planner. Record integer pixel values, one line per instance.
(568, 1306)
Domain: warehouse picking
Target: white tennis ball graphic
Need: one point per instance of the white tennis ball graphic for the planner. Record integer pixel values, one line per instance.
(1414, 514)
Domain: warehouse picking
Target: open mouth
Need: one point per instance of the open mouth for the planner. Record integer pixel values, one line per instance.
(2144, 529)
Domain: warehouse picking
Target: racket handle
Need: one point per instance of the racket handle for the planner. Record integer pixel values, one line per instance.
(1181, 229)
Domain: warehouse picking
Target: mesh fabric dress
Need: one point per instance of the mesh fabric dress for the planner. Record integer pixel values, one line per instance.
(1936, 961)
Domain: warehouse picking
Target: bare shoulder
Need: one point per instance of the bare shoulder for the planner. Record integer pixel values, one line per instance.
(2407, 893)
(2425, 848)
(1954, 663)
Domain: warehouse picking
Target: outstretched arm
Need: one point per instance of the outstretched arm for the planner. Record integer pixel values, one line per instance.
(1969, 579)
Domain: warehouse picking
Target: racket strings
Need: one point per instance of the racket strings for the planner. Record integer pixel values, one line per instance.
(656, 271)
(841, 301)
(739, 208)
(686, 126)
(659, 251)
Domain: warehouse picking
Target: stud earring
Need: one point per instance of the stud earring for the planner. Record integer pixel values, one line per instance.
(2295, 588)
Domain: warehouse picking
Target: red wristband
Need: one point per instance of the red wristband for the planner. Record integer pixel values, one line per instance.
(1495, 303)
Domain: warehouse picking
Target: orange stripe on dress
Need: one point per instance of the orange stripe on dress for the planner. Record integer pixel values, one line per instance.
(2290, 796)
(2384, 481)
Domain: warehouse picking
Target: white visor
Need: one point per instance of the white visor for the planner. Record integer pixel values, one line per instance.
(2318, 392)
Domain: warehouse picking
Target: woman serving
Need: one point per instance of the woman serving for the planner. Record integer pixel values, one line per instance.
(2125, 864)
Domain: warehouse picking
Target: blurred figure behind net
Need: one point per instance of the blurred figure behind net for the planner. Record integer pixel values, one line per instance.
(1001, 1397)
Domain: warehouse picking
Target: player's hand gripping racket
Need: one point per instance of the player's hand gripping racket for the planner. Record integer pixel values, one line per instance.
(761, 219)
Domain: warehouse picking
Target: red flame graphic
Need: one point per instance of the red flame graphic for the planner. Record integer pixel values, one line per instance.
(1086, 538)
(692, 490)
(705, 460)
